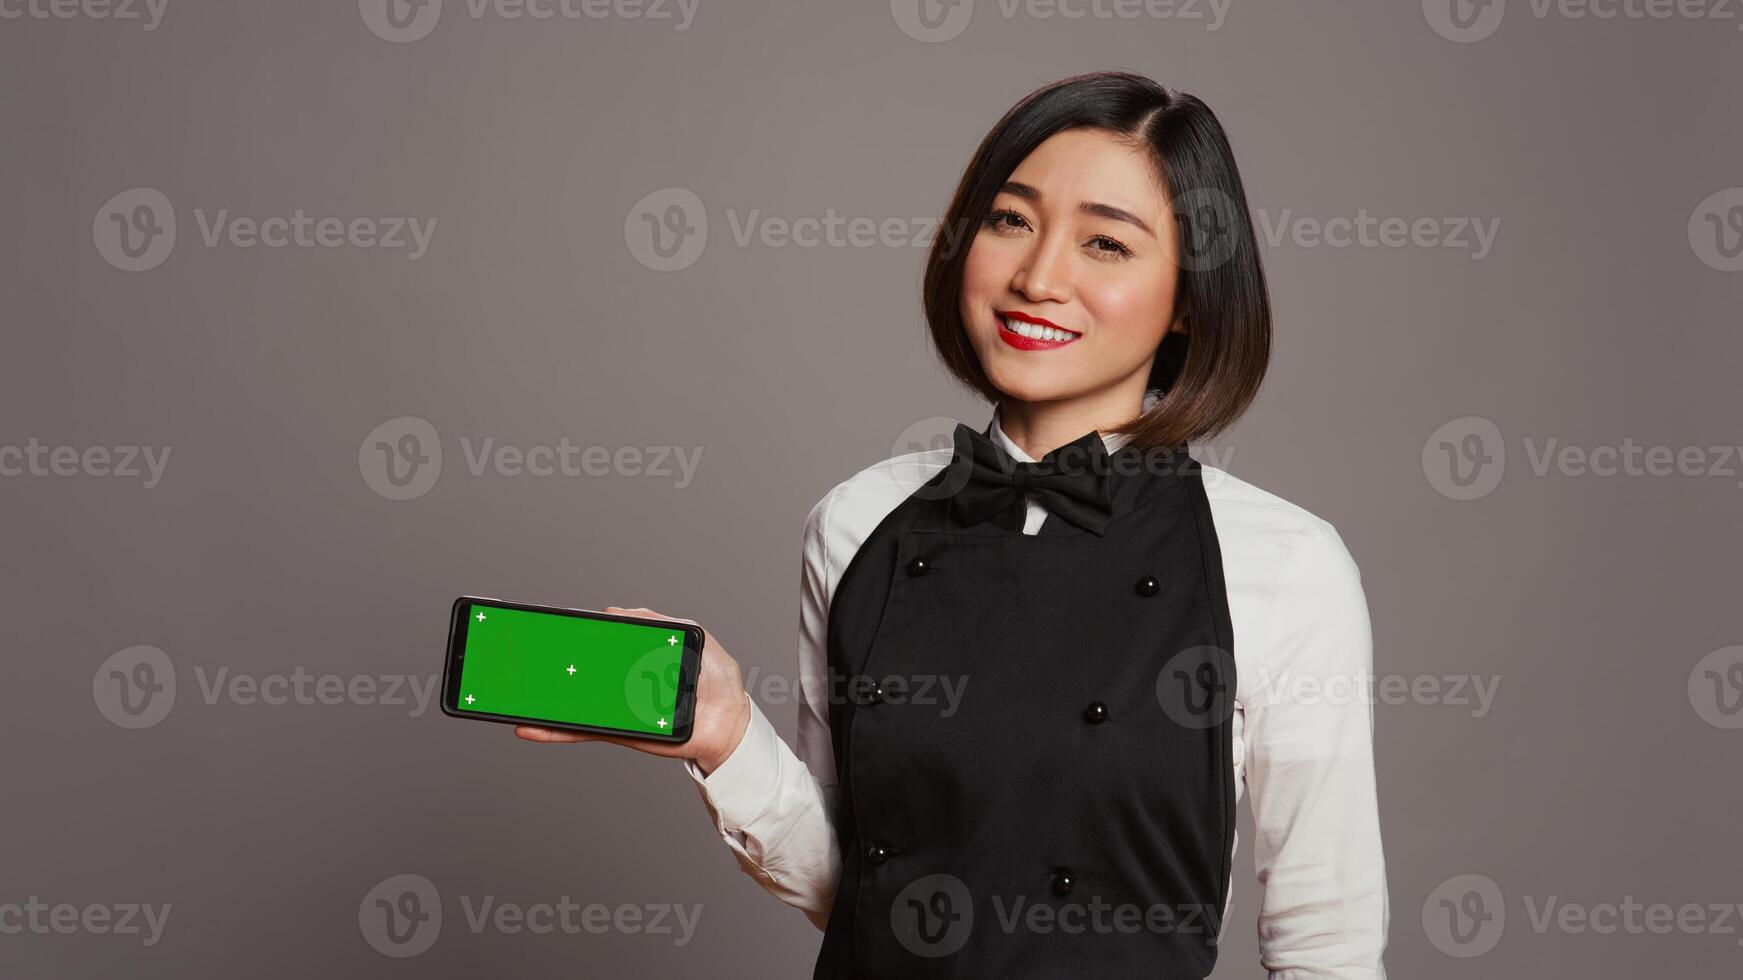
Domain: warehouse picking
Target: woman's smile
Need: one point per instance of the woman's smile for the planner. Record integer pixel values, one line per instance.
(1026, 332)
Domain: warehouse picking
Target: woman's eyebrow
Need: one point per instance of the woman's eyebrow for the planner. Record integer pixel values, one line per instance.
(1094, 208)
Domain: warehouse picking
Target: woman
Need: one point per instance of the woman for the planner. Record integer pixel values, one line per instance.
(1038, 668)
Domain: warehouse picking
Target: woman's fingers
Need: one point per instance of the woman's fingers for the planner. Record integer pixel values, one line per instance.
(646, 613)
(533, 733)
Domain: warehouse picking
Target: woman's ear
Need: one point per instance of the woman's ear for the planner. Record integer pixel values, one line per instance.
(1182, 325)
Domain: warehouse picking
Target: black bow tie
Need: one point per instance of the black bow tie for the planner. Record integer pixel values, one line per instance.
(1073, 482)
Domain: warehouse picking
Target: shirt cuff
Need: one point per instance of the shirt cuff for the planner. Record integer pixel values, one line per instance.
(743, 786)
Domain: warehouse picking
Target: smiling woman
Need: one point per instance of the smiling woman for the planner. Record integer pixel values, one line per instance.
(1112, 614)
(1106, 197)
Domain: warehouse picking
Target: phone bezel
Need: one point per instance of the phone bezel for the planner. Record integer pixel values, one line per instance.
(683, 714)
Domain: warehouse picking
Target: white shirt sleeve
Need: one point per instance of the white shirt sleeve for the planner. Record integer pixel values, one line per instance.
(1310, 772)
(775, 809)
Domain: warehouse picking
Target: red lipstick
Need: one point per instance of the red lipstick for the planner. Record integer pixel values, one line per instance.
(1008, 318)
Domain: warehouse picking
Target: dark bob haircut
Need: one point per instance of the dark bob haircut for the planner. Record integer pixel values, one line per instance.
(1210, 373)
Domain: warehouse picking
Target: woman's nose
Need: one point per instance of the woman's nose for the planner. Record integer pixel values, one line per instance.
(1045, 273)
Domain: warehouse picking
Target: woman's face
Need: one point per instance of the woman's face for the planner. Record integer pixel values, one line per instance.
(1080, 240)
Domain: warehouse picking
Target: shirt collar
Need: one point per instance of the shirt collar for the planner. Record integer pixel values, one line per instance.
(1113, 441)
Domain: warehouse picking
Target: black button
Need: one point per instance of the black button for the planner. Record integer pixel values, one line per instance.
(877, 853)
(1148, 586)
(877, 694)
(919, 566)
(1063, 882)
(1096, 713)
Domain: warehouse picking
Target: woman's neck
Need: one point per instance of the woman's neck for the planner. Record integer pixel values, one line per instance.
(1041, 427)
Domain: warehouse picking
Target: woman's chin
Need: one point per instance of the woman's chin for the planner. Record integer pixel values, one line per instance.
(1028, 384)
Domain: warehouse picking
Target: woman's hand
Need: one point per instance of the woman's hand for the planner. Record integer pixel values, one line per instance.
(722, 708)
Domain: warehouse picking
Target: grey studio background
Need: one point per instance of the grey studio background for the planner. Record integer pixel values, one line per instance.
(1505, 245)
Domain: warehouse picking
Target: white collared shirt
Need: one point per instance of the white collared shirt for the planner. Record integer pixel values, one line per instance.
(1303, 734)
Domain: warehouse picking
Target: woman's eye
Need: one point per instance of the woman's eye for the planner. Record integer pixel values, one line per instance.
(1103, 246)
(1110, 246)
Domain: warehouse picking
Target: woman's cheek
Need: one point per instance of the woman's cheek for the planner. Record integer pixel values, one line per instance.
(979, 279)
(1128, 316)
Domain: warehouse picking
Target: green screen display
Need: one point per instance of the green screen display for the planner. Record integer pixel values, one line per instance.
(565, 669)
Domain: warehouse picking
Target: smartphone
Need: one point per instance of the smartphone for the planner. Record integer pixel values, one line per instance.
(571, 669)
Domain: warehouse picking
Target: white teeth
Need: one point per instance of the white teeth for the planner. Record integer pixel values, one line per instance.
(1035, 331)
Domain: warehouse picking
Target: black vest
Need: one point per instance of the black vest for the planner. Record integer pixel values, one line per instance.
(1071, 813)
